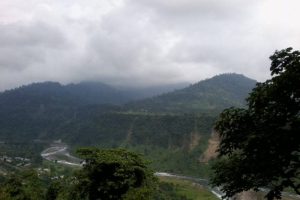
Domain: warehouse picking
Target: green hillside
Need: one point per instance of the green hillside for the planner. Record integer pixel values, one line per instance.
(210, 95)
(172, 129)
(50, 110)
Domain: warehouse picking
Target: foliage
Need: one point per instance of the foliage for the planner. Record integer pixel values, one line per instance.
(25, 186)
(113, 174)
(121, 128)
(208, 96)
(163, 138)
(168, 191)
(29, 150)
(106, 174)
(177, 161)
(260, 145)
(50, 110)
(174, 188)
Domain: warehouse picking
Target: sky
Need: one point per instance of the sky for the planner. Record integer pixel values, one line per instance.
(141, 42)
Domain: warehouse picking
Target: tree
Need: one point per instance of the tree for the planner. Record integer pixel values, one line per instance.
(23, 186)
(113, 174)
(12, 189)
(260, 145)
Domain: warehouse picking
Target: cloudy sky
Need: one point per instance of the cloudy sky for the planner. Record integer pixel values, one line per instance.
(141, 42)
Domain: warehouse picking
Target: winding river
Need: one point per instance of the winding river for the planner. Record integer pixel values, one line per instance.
(58, 152)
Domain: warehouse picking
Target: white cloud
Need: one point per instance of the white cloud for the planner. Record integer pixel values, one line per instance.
(141, 41)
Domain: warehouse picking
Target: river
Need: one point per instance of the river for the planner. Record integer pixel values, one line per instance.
(58, 152)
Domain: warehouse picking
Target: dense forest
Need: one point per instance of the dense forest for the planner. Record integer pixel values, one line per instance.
(207, 96)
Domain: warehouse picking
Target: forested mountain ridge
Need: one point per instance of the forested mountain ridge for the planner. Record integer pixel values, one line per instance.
(44, 109)
(209, 95)
(50, 93)
(217, 93)
(172, 129)
(29, 111)
(83, 93)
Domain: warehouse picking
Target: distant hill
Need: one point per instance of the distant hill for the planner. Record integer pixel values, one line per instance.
(212, 94)
(40, 109)
(147, 92)
(83, 93)
(34, 110)
(53, 93)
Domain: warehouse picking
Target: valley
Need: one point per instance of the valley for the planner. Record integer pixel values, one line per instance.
(196, 188)
(173, 130)
(190, 187)
(149, 100)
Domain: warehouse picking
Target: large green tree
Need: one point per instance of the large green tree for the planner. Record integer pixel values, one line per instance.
(260, 145)
(113, 174)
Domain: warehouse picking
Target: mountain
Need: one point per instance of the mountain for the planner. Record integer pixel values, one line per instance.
(83, 93)
(43, 110)
(34, 110)
(147, 92)
(88, 93)
(173, 135)
(214, 94)
(53, 93)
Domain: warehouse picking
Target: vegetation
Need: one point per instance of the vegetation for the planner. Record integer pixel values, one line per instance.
(178, 161)
(114, 174)
(24, 186)
(172, 134)
(209, 96)
(173, 188)
(106, 174)
(260, 145)
(52, 111)
(163, 138)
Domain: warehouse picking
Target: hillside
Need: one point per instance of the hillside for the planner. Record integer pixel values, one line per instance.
(209, 95)
(53, 93)
(33, 110)
(173, 135)
(40, 109)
